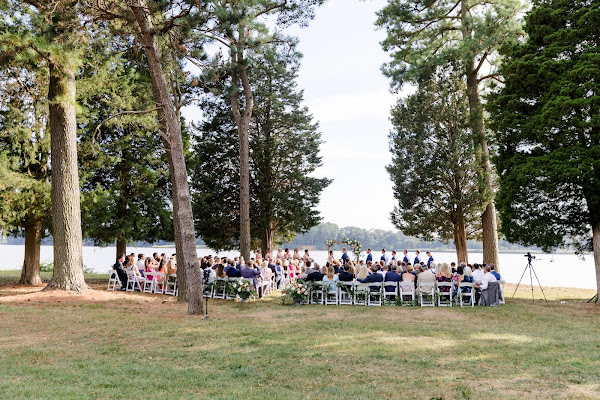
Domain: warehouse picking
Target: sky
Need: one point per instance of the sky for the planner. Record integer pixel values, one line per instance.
(349, 96)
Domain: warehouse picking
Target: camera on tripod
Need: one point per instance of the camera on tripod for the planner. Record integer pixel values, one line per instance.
(529, 256)
(205, 276)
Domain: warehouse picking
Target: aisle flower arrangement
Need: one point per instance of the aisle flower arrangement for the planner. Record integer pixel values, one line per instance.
(243, 288)
(296, 291)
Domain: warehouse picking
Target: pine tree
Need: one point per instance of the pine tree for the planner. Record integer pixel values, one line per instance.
(547, 119)
(50, 32)
(284, 152)
(24, 149)
(434, 168)
(124, 172)
(241, 26)
(425, 34)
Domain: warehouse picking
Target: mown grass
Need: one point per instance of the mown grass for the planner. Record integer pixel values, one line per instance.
(141, 346)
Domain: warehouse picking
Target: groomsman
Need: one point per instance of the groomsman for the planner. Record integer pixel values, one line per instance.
(405, 259)
(430, 260)
(369, 255)
(384, 257)
(417, 258)
(393, 256)
(344, 255)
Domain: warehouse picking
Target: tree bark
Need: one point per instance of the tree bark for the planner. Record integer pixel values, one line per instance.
(66, 210)
(596, 247)
(266, 243)
(242, 120)
(30, 274)
(488, 218)
(190, 277)
(460, 241)
(121, 247)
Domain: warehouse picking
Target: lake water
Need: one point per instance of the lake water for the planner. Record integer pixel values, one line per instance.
(550, 269)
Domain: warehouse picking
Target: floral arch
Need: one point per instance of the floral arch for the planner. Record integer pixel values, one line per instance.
(354, 245)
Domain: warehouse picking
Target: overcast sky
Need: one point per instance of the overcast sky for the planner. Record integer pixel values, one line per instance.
(346, 92)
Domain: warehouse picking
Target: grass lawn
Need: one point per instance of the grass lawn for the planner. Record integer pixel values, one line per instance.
(111, 345)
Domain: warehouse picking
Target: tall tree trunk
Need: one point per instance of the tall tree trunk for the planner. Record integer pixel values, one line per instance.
(460, 241)
(121, 247)
(488, 218)
(242, 120)
(596, 247)
(66, 211)
(190, 277)
(244, 190)
(266, 242)
(30, 274)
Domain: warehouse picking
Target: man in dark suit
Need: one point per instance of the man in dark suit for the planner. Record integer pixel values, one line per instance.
(344, 255)
(405, 259)
(392, 276)
(345, 275)
(313, 276)
(373, 277)
(121, 273)
(233, 272)
(369, 255)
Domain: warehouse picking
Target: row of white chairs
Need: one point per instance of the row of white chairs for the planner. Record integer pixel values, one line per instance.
(153, 282)
(429, 294)
(218, 288)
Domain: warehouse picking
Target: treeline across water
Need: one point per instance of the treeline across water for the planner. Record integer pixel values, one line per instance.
(378, 239)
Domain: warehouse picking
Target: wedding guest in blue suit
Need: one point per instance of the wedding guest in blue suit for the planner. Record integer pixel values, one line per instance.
(430, 260)
(344, 255)
(369, 255)
(392, 276)
(417, 258)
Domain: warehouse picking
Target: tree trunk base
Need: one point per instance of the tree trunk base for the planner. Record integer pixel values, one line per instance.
(74, 287)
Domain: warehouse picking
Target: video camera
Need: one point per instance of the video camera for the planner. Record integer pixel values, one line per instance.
(529, 256)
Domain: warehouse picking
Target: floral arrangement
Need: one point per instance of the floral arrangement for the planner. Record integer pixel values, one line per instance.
(243, 288)
(353, 243)
(297, 291)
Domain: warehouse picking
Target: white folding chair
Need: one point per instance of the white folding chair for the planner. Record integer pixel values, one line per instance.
(218, 289)
(171, 285)
(113, 280)
(331, 293)
(406, 289)
(159, 282)
(149, 282)
(361, 293)
(468, 294)
(427, 294)
(317, 295)
(345, 292)
(502, 283)
(375, 294)
(390, 293)
(444, 298)
(134, 282)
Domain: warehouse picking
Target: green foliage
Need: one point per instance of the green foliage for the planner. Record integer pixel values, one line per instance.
(434, 166)
(24, 137)
(547, 120)
(46, 266)
(284, 152)
(125, 180)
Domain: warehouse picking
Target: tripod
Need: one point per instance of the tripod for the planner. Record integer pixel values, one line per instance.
(529, 267)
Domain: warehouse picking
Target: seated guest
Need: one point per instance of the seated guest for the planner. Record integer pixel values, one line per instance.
(250, 272)
(409, 276)
(266, 272)
(315, 275)
(220, 271)
(302, 272)
(363, 272)
(437, 268)
(120, 269)
(488, 281)
(375, 276)
(493, 272)
(233, 272)
(380, 268)
(444, 276)
(392, 276)
(346, 275)
(149, 264)
(453, 267)
(331, 279)
(171, 268)
(425, 276)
